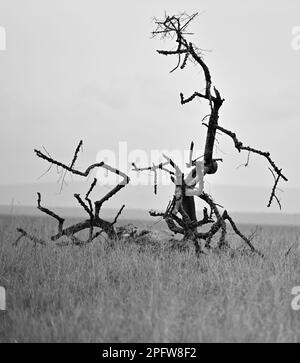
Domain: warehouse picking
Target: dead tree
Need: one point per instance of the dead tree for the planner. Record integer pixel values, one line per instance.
(94, 223)
(180, 214)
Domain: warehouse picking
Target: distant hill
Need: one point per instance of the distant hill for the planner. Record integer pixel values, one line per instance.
(246, 204)
(143, 215)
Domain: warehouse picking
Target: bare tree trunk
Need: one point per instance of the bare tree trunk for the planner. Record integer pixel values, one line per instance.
(180, 214)
(188, 204)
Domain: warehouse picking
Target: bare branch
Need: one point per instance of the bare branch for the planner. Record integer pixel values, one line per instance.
(94, 220)
(94, 183)
(240, 146)
(118, 215)
(273, 193)
(50, 213)
(34, 239)
(83, 205)
(236, 230)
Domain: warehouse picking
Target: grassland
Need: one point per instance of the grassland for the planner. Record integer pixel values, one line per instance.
(147, 293)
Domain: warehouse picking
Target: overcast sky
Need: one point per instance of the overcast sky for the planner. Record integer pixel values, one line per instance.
(88, 70)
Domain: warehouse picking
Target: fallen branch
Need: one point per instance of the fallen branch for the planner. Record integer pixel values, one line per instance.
(34, 239)
(92, 209)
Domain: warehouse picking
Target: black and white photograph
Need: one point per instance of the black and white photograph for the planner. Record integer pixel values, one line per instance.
(149, 190)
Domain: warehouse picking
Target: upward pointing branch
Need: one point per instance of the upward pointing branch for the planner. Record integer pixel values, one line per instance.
(175, 27)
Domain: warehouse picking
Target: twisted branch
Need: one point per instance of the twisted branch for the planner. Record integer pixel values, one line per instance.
(275, 169)
(94, 220)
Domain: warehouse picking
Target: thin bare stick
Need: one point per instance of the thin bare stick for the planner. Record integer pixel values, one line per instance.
(34, 239)
(236, 230)
(50, 213)
(118, 214)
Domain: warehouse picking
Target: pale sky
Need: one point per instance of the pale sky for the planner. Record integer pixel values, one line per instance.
(84, 69)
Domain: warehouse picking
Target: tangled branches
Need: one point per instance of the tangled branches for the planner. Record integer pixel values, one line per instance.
(180, 214)
(94, 224)
(179, 221)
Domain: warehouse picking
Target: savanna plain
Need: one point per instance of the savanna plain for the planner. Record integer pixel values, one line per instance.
(147, 290)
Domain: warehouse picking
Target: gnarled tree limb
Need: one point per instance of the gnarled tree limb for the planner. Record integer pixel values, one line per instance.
(180, 214)
(92, 209)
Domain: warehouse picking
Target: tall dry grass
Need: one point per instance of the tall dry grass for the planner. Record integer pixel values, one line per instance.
(149, 294)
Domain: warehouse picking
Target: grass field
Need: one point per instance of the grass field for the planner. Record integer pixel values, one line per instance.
(147, 293)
